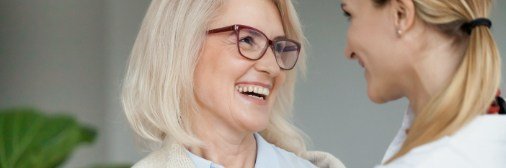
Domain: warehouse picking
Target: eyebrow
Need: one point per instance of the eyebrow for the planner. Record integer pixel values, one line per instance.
(257, 34)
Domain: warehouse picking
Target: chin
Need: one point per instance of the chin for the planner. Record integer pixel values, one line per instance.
(381, 97)
(257, 126)
(377, 100)
(254, 123)
(376, 96)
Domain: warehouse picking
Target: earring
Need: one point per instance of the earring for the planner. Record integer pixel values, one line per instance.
(399, 32)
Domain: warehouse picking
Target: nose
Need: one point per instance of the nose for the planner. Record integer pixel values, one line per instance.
(349, 53)
(268, 64)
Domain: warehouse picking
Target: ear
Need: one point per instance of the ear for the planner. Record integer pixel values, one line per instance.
(405, 15)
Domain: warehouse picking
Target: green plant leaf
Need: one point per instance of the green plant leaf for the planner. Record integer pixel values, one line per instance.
(31, 139)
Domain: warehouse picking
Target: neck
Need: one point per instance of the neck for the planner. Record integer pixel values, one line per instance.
(434, 67)
(222, 144)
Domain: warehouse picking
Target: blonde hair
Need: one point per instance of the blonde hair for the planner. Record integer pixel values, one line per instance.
(472, 89)
(157, 91)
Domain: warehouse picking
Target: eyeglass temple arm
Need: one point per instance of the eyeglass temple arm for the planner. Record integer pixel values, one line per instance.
(223, 29)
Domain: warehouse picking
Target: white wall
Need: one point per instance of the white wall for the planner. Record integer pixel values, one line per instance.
(69, 56)
(123, 21)
(52, 58)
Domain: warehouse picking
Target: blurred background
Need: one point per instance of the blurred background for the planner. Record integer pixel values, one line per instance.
(69, 56)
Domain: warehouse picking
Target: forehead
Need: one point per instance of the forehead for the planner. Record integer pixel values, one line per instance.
(260, 14)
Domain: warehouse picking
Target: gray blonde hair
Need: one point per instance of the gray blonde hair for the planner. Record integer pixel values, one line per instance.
(157, 93)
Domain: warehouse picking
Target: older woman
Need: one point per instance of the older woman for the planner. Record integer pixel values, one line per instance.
(441, 56)
(211, 82)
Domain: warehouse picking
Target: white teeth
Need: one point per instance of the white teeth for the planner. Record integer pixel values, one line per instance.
(253, 89)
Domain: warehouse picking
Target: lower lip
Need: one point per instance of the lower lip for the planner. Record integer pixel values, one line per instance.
(361, 64)
(252, 99)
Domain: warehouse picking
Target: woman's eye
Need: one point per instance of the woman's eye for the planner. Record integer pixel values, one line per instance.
(247, 40)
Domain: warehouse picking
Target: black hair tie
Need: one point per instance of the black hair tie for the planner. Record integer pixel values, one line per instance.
(502, 105)
(498, 105)
(469, 26)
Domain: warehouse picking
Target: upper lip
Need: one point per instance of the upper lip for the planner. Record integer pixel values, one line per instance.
(265, 85)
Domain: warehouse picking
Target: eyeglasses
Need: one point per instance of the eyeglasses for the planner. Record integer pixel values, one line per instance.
(253, 43)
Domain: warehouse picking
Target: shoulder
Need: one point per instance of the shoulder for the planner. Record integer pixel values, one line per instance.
(169, 156)
(154, 159)
(441, 155)
(478, 144)
(448, 152)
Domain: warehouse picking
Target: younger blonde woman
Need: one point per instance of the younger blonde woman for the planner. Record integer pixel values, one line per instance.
(440, 55)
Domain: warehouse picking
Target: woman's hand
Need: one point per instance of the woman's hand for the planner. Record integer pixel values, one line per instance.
(322, 159)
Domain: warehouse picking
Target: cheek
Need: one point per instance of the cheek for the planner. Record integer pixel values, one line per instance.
(363, 39)
(385, 81)
(279, 83)
(216, 72)
(371, 36)
(281, 79)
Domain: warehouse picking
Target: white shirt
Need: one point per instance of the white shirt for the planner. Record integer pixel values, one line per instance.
(479, 144)
(268, 156)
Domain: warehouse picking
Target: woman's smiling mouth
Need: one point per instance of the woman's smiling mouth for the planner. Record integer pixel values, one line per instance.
(255, 93)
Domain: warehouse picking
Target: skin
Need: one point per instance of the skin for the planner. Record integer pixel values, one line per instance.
(227, 119)
(401, 55)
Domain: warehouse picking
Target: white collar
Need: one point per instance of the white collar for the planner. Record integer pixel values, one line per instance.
(399, 139)
(266, 156)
